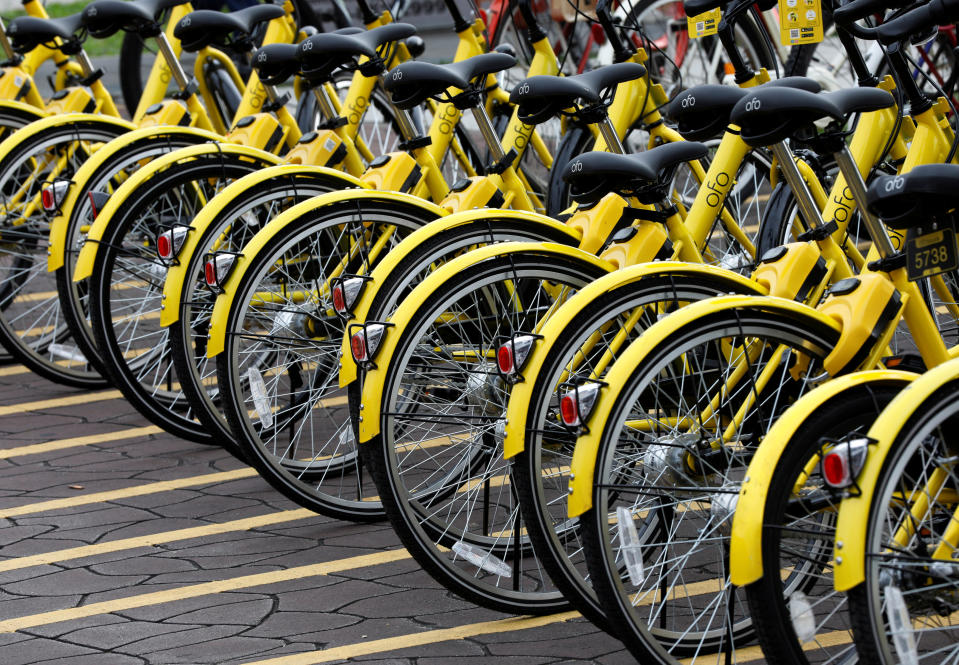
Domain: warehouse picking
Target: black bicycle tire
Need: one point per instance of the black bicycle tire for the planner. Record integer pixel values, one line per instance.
(291, 190)
(10, 338)
(941, 406)
(68, 291)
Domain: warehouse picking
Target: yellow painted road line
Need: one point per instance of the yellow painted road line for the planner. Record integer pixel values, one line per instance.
(155, 539)
(72, 400)
(127, 492)
(13, 370)
(60, 444)
(204, 589)
(417, 639)
(755, 652)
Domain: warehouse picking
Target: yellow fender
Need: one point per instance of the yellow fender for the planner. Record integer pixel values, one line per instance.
(520, 395)
(67, 119)
(223, 303)
(88, 252)
(173, 287)
(746, 564)
(583, 465)
(58, 227)
(850, 566)
(24, 109)
(388, 264)
(373, 382)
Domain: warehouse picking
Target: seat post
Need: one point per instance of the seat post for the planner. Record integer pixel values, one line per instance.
(324, 103)
(489, 134)
(5, 42)
(804, 199)
(179, 75)
(878, 233)
(403, 117)
(84, 61)
(608, 132)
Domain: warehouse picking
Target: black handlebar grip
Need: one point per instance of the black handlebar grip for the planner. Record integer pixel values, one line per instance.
(918, 20)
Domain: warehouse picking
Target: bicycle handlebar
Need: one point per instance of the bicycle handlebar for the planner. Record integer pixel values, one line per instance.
(860, 9)
(922, 18)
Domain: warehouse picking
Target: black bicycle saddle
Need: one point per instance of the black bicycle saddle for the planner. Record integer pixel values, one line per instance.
(702, 112)
(927, 192)
(103, 18)
(276, 63)
(594, 174)
(771, 114)
(412, 83)
(205, 27)
(28, 32)
(541, 97)
(321, 54)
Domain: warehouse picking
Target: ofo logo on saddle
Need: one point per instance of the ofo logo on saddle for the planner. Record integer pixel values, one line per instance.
(894, 184)
(523, 89)
(688, 102)
(307, 46)
(397, 76)
(753, 104)
(576, 167)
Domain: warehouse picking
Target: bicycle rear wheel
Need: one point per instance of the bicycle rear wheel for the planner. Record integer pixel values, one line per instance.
(678, 427)
(438, 460)
(117, 165)
(582, 350)
(904, 611)
(32, 328)
(127, 282)
(798, 535)
(234, 225)
(277, 374)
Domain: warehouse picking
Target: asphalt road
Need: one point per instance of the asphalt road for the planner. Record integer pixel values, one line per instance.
(123, 545)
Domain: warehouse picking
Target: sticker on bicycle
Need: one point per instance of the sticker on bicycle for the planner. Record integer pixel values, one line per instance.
(800, 22)
(930, 253)
(705, 24)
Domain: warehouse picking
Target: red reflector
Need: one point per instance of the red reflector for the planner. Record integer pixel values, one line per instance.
(164, 246)
(504, 358)
(209, 272)
(358, 346)
(46, 198)
(834, 469)
(93, 204)
(339, 300)
(569, 411)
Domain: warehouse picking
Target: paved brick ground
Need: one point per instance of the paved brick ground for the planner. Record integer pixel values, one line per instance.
(348, 610)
